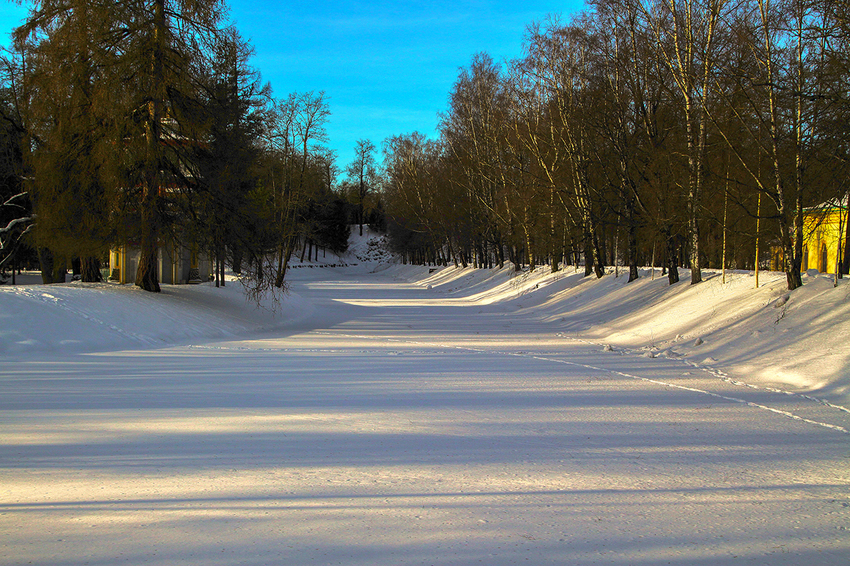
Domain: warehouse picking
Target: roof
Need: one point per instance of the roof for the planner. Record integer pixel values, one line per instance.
(832, 204)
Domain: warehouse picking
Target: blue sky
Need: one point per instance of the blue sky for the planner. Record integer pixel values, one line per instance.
(386, 67)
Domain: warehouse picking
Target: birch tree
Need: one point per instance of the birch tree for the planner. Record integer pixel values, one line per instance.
(686, 32)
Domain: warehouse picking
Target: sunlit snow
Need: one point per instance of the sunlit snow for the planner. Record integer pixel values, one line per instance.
(386, 414)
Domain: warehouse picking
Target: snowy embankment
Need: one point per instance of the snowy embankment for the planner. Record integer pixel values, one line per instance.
(797, 341)
(91, 317)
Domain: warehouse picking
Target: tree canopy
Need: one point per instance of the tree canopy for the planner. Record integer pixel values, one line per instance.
(680, 134)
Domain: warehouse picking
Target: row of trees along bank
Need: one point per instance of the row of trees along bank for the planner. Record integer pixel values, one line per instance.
(143, 122)
(671, 132)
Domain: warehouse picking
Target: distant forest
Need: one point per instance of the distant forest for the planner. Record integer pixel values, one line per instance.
(680, 133)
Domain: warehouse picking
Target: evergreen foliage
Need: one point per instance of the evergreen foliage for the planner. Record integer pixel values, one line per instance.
(15, 208)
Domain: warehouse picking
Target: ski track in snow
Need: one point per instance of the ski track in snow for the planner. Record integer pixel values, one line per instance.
(39, 295)
(780, 412)
(723, 376)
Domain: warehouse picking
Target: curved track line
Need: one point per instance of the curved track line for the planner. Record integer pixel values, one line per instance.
(603, 370)
(719, 375)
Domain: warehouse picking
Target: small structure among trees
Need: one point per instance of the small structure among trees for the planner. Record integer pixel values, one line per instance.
(825, 243)
(176, 264)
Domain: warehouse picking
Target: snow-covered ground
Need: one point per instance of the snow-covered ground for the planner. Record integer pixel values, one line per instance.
(388, 414)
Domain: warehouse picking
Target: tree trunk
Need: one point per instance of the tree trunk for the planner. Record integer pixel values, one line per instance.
(237, 261)
(793, 264)
(46, 262)
(672, 253)
(598, 258)
(283, 263)
(147, 276)
(529, 248)
(694, 190)
(90, 270)
(632, 250)
(588, 254)
(845, 257)
(796, 263)
(553, 245)
(631, 231)
(281, 268)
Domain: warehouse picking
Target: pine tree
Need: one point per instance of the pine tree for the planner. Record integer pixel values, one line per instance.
(117, 74)
(235, 105)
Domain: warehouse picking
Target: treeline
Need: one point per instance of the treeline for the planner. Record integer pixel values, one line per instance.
(687, 133)
(143, 123)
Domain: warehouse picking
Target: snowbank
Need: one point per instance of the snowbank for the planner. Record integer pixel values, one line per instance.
(93, 317)
(107, 316)
(798, 341)
(367, 251)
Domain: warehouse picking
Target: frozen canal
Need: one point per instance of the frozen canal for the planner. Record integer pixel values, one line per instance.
(392, 427)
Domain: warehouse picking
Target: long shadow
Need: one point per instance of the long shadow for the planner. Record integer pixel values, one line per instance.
(587, 533)
(383, 377)
(573, 453)
(574, 497)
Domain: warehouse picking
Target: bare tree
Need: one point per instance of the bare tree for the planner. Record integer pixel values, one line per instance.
(363, 174)
(687, 33)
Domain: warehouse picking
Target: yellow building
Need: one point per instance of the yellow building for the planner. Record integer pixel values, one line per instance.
(824, 232)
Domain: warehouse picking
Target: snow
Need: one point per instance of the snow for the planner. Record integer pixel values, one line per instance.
(388, 414)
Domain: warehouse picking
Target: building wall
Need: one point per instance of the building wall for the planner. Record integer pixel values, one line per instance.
(123, 262)
(824, 229)
(177, 265)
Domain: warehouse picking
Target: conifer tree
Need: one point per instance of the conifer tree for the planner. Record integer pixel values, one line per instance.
(66, 112)
(234, 110)
(117, 74)
(15, 210)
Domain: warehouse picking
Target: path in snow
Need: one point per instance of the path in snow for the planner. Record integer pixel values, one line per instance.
(398, 427)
